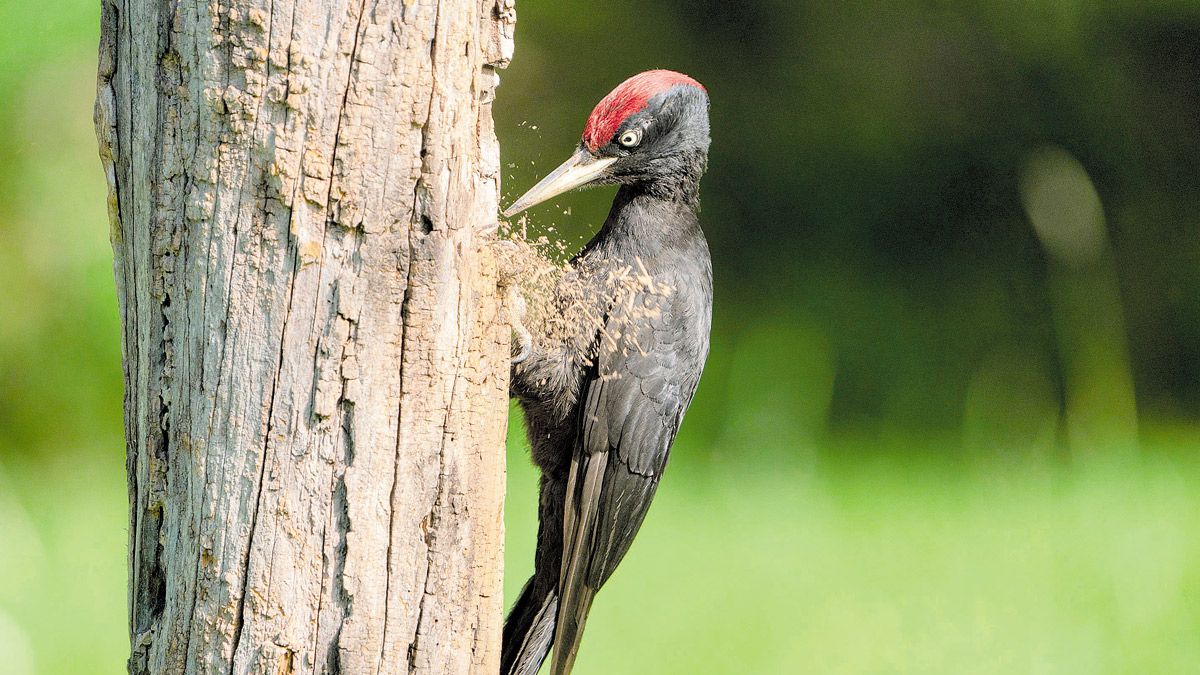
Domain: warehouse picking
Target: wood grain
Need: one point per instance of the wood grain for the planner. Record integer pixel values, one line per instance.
(315, 355)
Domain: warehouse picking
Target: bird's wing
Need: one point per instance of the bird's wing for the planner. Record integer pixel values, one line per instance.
(633, 400)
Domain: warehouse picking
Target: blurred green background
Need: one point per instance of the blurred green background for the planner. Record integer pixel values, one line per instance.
(951, 419)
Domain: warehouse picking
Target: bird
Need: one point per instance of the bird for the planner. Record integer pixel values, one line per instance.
(603, 397)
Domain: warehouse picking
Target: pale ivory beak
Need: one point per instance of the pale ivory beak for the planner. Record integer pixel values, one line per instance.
(583, 167)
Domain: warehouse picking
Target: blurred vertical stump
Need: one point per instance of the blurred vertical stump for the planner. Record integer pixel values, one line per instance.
(315, 362)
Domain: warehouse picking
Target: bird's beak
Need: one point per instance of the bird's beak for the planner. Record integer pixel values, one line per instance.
(582, 168)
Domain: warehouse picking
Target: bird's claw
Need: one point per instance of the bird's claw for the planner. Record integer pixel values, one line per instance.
(516, 314)
(526, 342)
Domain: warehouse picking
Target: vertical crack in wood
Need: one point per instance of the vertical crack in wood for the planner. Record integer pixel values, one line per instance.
(239, 617)
(397, 462)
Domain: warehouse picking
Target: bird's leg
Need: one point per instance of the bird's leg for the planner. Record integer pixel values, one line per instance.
(544, 368)
(514, 301)
(515, 304)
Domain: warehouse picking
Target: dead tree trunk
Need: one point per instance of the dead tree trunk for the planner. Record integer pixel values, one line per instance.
(315, 361)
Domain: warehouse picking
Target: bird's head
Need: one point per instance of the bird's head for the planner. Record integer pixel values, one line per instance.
(653, 128)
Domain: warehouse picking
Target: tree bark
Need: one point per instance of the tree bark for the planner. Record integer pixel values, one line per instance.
(315, 356)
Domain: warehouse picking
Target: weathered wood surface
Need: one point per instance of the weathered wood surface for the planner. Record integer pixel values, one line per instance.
(315, 362)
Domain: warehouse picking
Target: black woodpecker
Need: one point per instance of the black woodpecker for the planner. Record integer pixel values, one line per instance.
(603, 402)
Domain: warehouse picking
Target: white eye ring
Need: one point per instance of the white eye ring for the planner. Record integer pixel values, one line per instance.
(630, 138)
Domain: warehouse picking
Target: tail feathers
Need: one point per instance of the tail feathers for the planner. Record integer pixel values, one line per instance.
(569, 631)
(528, 633)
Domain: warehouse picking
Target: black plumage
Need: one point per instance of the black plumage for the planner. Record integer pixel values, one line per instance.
(603, 402)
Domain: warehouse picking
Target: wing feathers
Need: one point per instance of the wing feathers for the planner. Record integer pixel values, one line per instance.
(575, 595)
(632, 403)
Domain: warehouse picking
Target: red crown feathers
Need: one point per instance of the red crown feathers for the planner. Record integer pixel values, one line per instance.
(629, 97)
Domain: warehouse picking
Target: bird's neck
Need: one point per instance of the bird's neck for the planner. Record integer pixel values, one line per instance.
(648, 225)
(650, 215)
(682, 190)
(659, 206)
(674, 178)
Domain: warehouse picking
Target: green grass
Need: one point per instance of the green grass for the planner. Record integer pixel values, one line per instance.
(899, 565)
(63, 566)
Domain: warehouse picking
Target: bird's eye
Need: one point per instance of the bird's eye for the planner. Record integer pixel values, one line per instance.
(630, 138)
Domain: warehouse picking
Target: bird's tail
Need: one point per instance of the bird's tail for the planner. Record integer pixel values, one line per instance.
(569, 631)
(528, 631)
(529, 628)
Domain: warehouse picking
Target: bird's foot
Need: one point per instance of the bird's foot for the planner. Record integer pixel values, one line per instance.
(516, 315)
(513, 300)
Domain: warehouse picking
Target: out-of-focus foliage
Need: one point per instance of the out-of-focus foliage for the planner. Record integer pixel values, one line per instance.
(62, 496)
(951, 419)
(865, 188)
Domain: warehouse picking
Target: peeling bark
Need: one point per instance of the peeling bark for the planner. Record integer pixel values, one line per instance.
(315, 356)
